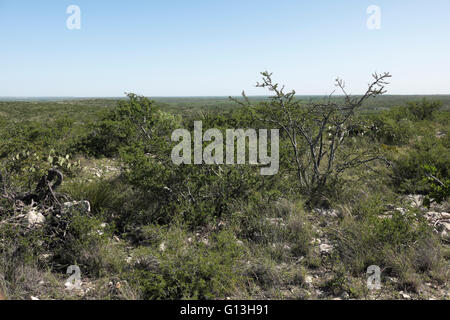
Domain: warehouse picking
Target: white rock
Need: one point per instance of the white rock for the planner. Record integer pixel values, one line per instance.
(392, 279)
(445, 215)
(83, 206)
(401, 210)
(332, 213)
(445, 226)
(415, 200)
(440, 135)
(404, 295)
(35, 218)
(70, 285)
(34, 298)
(45, 256)
(345, 295)
(325, 248)
(433, 214)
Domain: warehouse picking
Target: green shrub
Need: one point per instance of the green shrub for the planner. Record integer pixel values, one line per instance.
(20, 248)
(439, 188)
(78, 240)
(133, 119)
(410, 169)
(423, 110)
(184, 270)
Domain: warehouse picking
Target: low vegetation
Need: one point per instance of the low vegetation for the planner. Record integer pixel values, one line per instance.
(362, 181)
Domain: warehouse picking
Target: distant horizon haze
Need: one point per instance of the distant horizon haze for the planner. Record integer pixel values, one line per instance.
(43, 98)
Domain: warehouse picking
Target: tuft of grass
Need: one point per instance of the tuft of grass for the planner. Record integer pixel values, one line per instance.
(402, 244)
(100, 194)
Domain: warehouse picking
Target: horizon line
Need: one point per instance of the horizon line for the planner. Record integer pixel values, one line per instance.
(199, 96)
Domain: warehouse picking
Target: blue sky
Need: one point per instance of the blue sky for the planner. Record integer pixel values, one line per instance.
(212, 47)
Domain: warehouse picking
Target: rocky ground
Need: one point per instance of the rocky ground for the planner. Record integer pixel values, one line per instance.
(314, 279)
(312, 282)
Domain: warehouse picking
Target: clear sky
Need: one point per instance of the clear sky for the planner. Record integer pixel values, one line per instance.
(218, 47)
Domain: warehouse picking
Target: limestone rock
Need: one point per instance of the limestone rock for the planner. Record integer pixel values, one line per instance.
(415, 200)
(344, 296)
(331, 213)
(404, 295)
(325, 248)
(443, 228)
(309, 280)
(440, 221)
(35, 218)
(81, 206)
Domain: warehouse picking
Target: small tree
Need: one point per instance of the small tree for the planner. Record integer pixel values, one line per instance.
(317, 131)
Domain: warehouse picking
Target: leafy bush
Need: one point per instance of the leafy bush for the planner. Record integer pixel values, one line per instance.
(439, 190)
(125, 125)
(428, 156)
(388, 130)
(194, 194)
